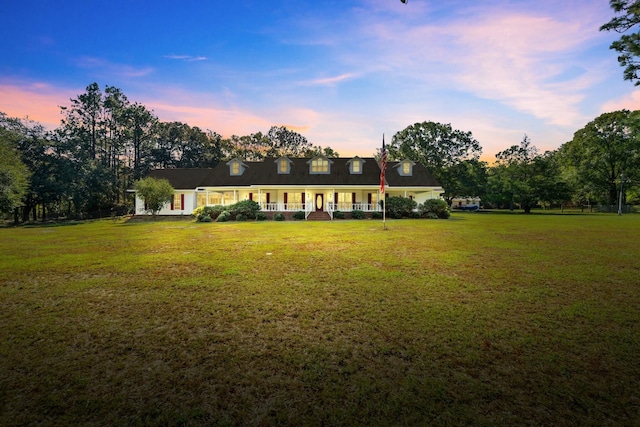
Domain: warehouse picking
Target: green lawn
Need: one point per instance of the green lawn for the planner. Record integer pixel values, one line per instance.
(482, 319)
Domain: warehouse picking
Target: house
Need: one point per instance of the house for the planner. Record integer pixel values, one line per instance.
(286, 184)
(466, 203)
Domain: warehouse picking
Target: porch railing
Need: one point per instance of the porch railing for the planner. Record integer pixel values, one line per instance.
(348, 207)
(309, 207)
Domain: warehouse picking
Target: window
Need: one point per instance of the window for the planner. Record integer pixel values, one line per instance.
(202, 199)
(294, 201)
(405, 168)
(236, 167)
(344, 201)
(264, 198)
(355, 165)
(214, 199)
(283, 166)
(228, 198)
(320, 165)
(176, 202)
(373, 200)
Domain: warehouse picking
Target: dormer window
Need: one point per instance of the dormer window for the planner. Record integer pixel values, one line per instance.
(283, 165)
(319, 165)
(236, 167)
(355, 166)
(405, 168)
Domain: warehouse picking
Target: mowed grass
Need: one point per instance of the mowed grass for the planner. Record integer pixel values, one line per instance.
(482, 319)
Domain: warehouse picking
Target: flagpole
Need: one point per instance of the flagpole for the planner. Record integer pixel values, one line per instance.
(383, 167)
(384, 211)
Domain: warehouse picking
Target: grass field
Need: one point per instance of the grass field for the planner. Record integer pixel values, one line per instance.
(482, 319)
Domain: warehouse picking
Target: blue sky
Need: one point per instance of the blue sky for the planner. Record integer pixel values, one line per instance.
(341, 73)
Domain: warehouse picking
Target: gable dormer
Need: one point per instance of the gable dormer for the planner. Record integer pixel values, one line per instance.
(355, 165)
(283, 165)
(320, 165)
(236, 167)
(405, 167)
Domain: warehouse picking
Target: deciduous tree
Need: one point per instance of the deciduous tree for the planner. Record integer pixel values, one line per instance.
(524, 177)
(606, 150)
(628, 46)
(155, 193)
(14, 174)
(438, 147)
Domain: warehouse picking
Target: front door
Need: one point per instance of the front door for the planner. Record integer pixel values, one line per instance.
(319, 202)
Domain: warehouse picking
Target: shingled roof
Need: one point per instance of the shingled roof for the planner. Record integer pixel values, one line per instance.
(265, 173)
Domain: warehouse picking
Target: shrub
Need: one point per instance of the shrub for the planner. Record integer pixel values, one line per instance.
(438, 207)
(278, 216)
(358, 214)
(261, 216)
(247, 208)
(338, 215)
(224, 216)
(431, 215)
(376, 215)
(241, 217)
(299, 215)
(211, 211)
(398, 207)
(197, 211)
(203, 218)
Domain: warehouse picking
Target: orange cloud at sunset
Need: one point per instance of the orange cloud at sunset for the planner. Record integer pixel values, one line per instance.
(37, 101)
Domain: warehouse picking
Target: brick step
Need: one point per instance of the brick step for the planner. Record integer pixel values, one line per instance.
(318, 216)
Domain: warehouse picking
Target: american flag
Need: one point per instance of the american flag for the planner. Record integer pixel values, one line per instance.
(383, 166)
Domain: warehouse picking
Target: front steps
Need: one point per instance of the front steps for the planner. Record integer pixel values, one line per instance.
(319, 216)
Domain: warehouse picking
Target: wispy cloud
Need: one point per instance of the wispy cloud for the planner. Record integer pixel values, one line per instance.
(528, 59)
(186, 58)
(103, 66)
(328, 81)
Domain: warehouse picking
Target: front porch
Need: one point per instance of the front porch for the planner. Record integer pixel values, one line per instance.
(291, 200)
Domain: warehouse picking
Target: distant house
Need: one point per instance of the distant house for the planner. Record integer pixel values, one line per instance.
(466, 203)
(319, 185)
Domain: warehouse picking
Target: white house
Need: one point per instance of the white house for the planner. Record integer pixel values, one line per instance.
(287, 184)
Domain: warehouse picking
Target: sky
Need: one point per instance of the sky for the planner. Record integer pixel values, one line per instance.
(341, 73)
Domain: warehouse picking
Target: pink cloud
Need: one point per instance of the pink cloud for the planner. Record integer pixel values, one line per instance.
(329, 81)
(629, 102)
(37, 101)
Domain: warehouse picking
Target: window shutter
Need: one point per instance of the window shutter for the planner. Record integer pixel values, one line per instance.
(369, 198)
(173, 199)
(251, 196)
(353, 197)
(285, 198)
(268, 197)
(182, 201)
(335, 198)
(303, 197)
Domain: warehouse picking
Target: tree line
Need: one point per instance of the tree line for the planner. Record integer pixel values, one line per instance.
(105, 143)
(598, 166)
